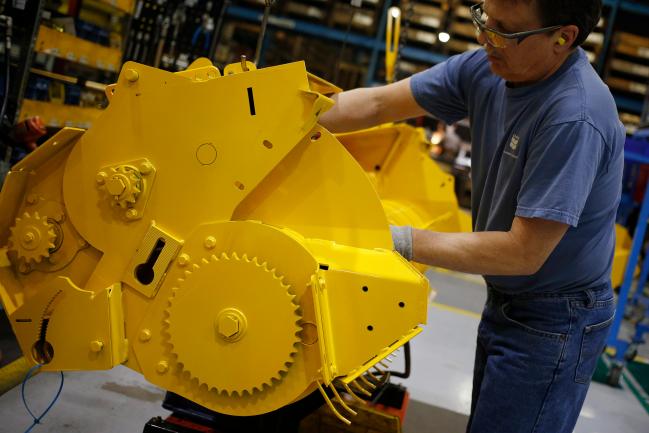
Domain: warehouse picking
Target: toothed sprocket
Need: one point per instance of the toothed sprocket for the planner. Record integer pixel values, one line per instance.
(233, 324)
(32, 236)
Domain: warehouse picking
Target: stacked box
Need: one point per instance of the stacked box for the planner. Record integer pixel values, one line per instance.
(365, 18)
(426, 18)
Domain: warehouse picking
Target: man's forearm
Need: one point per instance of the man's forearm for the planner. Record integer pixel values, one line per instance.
(484, 253)
(354, 109)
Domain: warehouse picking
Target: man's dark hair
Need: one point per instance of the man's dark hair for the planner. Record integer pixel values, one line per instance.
(582, 13)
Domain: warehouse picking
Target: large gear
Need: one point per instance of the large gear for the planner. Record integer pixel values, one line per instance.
(32, 237)
(233, 324)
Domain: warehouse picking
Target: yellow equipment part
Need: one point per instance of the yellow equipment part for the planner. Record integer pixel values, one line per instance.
(413, 189)
(621, 255)
(416, 192)
(208, 233)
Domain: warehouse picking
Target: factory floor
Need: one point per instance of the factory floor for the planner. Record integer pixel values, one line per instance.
(121, 401)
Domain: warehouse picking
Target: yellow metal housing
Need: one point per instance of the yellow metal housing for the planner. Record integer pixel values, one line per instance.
(208, 233)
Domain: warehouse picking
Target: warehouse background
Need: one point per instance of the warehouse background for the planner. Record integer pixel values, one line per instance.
(60, 55)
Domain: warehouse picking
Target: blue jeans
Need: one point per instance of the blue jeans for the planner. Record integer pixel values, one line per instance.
(535, 357)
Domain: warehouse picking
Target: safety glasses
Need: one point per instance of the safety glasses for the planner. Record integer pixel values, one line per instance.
(499, 39)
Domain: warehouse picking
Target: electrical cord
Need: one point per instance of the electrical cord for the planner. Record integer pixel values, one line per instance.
(7, 57)
(37, 419)
(262, 31)
(406, 373)
(341, 53)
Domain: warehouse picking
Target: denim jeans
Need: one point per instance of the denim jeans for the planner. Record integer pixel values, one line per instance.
(535, 357)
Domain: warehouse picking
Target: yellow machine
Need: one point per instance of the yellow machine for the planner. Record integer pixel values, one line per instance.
(208, 233)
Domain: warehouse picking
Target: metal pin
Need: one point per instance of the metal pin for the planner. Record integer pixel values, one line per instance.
(376, 379)
(331, 406)
(361, 389)
(341, 401)
(367, 383)
(352, 393)
(244, 65)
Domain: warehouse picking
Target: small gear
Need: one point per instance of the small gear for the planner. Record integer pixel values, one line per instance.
(32, 237)
(124, 184)
(233, 324)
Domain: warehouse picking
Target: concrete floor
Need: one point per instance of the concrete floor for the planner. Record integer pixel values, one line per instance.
(121, 401)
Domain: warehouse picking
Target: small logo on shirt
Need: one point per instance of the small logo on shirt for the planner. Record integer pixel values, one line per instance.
(514, 143)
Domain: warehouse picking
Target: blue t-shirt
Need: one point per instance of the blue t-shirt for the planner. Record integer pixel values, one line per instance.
(551, 150)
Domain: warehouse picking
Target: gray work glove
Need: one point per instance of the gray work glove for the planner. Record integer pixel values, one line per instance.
(402, 239)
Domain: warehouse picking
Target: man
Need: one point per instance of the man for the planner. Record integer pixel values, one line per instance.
(547, 162)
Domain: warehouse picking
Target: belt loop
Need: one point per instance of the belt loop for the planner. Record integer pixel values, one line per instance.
(591, 298)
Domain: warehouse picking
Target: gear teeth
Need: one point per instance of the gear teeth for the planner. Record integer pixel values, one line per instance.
(273, 378)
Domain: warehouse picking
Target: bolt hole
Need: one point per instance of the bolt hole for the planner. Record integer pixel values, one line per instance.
(370, 328)
(316, 136)
(365, 288)
(377, 168)
(239, 185)
(268, 144)
(43, 352)
(402, 304)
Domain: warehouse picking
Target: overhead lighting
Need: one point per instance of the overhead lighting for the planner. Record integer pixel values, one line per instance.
(444, 37)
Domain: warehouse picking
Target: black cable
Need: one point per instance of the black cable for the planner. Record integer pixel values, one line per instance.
(406, 373)
(7, 58)
(262, 31)
(216, 36)
(341, 53)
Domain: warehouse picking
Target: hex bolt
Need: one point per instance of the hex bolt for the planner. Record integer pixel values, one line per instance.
(145, 335)
(228, 326)
(132, 75)
(28, 237)
(32, 199)
(132, 214)
(96, 346)
(145, 167)
(162, 367)
(101, 177)
(210, 242)
(183, 259)
(115, 186)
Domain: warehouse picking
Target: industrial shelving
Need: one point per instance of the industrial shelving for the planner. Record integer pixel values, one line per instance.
(429, 16)
(65, 63)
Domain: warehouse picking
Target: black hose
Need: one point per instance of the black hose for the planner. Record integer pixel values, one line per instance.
(341, 53)
(8, 35)
(406, 373)
(216, 36)
(262, 31)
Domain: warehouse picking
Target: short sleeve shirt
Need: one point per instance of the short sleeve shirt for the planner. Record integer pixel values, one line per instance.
(550, 150)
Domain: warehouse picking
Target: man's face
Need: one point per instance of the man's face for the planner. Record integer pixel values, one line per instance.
(520, 62)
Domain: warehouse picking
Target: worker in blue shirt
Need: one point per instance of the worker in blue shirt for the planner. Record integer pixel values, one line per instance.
(547, 159)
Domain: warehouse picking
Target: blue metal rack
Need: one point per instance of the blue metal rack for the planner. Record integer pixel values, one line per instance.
(377, 45)
(624, 349)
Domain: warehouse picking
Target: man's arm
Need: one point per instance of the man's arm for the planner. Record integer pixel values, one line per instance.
(520, 251)
(366, 107)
